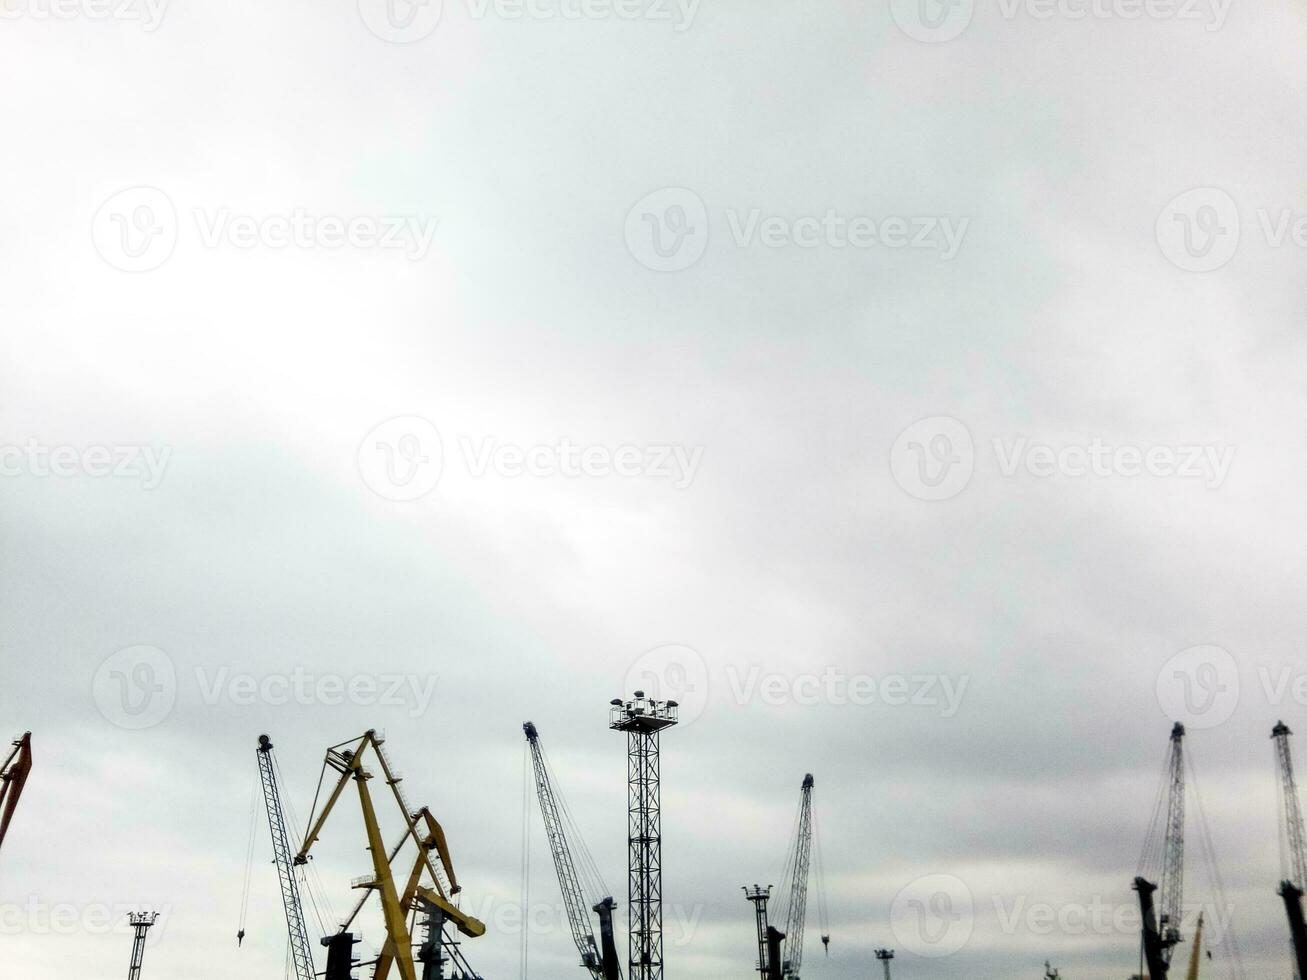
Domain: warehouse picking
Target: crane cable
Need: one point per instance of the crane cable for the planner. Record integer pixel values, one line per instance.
(1208, 852)
(591, 878)
(1150, 860)
(249, 860)
(309, 877)
(823, 912)
(789, 869)
(526, 856)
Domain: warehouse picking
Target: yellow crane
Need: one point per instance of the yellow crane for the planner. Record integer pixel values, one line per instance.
(421, 827)
(1197, 953)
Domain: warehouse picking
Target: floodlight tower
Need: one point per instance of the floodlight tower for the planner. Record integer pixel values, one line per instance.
(140, 923)
(759, 896)
(885, 955)
(643, 719)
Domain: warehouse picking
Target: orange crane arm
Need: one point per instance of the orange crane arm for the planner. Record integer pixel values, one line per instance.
(13, 777)
(1196, 955)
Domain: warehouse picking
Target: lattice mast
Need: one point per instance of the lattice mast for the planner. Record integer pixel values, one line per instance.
(578, 909)
(885, 956)
(1161, 902)
(796, 909)
(643, 719)
(1295, 849)
(140, 923)
(759, 897)
(300, 951)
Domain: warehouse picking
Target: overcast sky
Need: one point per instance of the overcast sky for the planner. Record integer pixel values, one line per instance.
(913, 390)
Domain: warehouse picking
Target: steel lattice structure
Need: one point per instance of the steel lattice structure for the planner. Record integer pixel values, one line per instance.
(643, 719)
(759, 896)
(301, 952)
(1172, 883)
(1291, 889)
(140, 923)
(797, 904)
(573, 895)
(1162, 919)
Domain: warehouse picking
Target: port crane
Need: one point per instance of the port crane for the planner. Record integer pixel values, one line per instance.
(1294, 843)
(798, 865)
(301, 952)
(430, 901)
(13, 777)
(599, 958)
(1164, 852)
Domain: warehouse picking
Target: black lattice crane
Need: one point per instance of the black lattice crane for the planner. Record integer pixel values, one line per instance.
(798, 867)
(301, 952)
(644, 719)
(140, 923)
(1294, 848)
(1164, 857)
(13, 777)
(600, 961)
